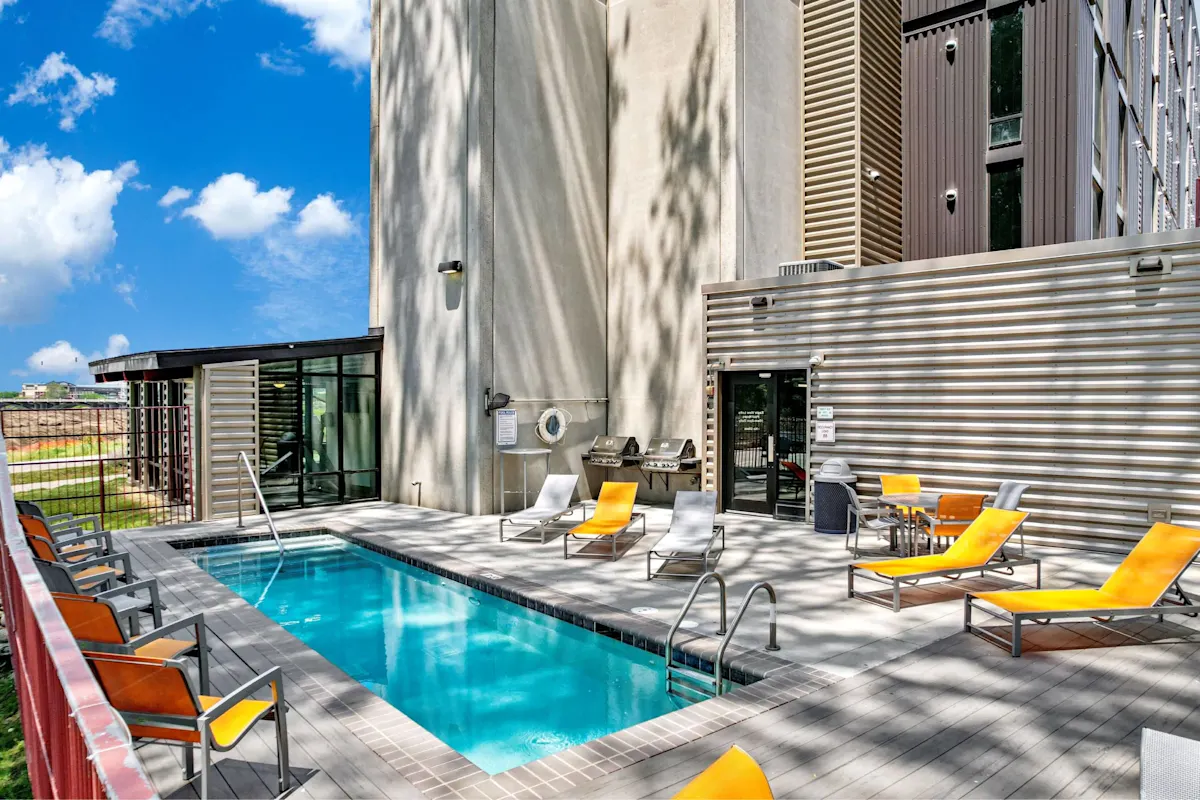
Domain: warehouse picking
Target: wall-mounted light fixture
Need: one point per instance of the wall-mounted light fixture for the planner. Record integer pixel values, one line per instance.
(762, 301)
(951, 196)
(494, 402)
(874, 175)
(1149, 265)
(951, 45)
(450, 267)
(816, 359)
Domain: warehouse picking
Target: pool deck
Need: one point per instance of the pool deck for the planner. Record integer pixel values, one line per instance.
(872, 704)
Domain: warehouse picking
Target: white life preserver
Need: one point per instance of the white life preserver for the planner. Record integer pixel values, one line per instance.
(552, 425)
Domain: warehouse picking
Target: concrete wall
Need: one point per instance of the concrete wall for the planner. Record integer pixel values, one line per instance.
(770, 140)
(670, 123)
(422, 218)
(549, 339)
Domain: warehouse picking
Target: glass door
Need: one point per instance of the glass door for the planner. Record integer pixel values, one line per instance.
(765, 443)
(749, 483)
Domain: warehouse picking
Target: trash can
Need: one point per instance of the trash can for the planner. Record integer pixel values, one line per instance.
(830, 500)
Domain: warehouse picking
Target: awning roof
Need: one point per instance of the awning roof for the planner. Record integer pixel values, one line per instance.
(163, 364)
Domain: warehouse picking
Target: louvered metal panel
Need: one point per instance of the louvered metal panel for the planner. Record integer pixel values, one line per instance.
(229, 425)
(1049, 365)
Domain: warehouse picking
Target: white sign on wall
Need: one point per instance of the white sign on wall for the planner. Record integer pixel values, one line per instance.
(506, 427)
(824, 412)
(826, 432)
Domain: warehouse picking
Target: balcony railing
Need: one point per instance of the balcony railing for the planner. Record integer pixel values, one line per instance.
(75, 745)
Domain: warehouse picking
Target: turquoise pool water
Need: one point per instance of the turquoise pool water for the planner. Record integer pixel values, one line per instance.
(501, 684)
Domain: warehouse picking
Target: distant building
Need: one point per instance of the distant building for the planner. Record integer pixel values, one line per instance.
(1032, 122)
(65, 390)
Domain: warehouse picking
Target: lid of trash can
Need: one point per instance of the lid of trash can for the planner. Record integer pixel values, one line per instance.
(835, 470)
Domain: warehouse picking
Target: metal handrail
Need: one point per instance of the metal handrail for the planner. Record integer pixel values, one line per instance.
(687, 607)
(245, 460)
(771, 643)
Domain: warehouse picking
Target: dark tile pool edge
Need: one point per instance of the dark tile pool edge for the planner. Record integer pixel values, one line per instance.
(437, 770)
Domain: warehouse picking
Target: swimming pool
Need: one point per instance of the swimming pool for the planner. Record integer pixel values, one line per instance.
(502, 684)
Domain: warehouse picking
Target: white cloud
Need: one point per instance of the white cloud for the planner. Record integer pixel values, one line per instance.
(174, 195)
(311, 286)
(231, 207)
(55, 224)
(62, 360)
(126, 17)
(80, 95)
(341, 28)
(4, 3)
(281, 60)
(323, 217)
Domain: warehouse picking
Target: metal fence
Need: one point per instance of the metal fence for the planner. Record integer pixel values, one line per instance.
(75, 745)
(131, 467)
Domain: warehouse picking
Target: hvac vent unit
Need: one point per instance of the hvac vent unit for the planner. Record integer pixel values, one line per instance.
(789, 268)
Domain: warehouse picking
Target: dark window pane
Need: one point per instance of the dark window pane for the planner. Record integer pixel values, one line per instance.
(362, 485)
(327, 365)
(1004, 208)
(358, 424)
(1006, 73)
(359, 364)
(1005, 131)
(320, 417)
(277, 366)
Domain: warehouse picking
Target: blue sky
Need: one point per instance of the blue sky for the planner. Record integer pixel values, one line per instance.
(110, 108)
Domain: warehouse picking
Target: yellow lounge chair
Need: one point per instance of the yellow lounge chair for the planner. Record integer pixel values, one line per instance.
(733, 776)
(975, 550)
(612, 518)
(1136, 589)
(158, 704)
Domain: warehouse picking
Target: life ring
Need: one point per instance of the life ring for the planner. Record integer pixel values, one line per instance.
(552, 425)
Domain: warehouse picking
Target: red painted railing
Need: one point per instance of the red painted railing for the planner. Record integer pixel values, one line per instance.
(75, 746)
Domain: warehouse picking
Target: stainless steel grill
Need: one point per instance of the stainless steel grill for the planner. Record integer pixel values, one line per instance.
(613, 451)
(669, 455)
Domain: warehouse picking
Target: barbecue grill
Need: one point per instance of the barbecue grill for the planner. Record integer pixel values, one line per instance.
(669, 455)
(613, 451)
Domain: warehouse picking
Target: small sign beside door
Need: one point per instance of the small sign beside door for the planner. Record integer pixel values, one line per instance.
(506, 427)
(826, 432)
(824, 412)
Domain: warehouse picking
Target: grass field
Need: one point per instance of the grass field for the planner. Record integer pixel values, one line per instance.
(14, 779)
(123, 507)
(84, 447)
(21, 477)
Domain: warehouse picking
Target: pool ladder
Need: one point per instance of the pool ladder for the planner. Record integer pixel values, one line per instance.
(690, 683)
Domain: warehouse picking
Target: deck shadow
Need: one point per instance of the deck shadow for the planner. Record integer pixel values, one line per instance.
(1093, 635)
(946, 591)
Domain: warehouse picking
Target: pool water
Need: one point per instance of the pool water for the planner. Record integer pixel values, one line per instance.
(499, 683)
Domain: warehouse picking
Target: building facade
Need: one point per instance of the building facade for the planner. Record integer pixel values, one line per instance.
(1033, 122)
(590, 166)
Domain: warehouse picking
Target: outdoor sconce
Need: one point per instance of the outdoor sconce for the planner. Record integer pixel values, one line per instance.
(951, 49)
(951, 199)
(816, 359)
(450, 267)
(762, 301)
(494, 402)
(874, 175)
(1149, 265)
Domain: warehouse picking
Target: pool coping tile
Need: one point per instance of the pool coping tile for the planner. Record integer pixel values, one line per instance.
(439, 771)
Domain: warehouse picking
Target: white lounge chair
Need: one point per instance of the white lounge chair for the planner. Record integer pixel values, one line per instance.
(692, 534)
(553, 502)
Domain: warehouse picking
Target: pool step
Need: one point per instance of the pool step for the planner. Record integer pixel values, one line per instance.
(688, 683)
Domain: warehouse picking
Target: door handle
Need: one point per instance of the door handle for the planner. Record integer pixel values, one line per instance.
(770, 448)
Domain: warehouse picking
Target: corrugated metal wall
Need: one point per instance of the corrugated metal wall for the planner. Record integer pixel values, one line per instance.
(229, 425)
(880, 217)
(1048, 365)
(831, 178)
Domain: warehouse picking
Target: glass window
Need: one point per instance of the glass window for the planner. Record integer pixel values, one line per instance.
(327, 365)
(1004, 207)
(277, 366)
(359, 364)
(1006, 68)
(1097, 211)
(1122, 154)
(320, 419)
(358, 424)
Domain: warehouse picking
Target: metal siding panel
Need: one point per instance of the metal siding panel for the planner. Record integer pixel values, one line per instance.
(1055, 369)
(230, 425)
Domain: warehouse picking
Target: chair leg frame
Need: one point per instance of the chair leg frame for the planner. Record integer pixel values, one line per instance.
(896, 584)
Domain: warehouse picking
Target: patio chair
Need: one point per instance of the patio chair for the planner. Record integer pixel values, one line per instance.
(692, 533)
(95, 623)
(88, 565)
(553, 502)
(979, 549)
(124, 598)
(901, 484)
(951, 518)
(58, 521)
(611, 518)
(871, 515)
(1137, 588)
(158, 704)
(733, 776)
(1008, 497)
(67, 540)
